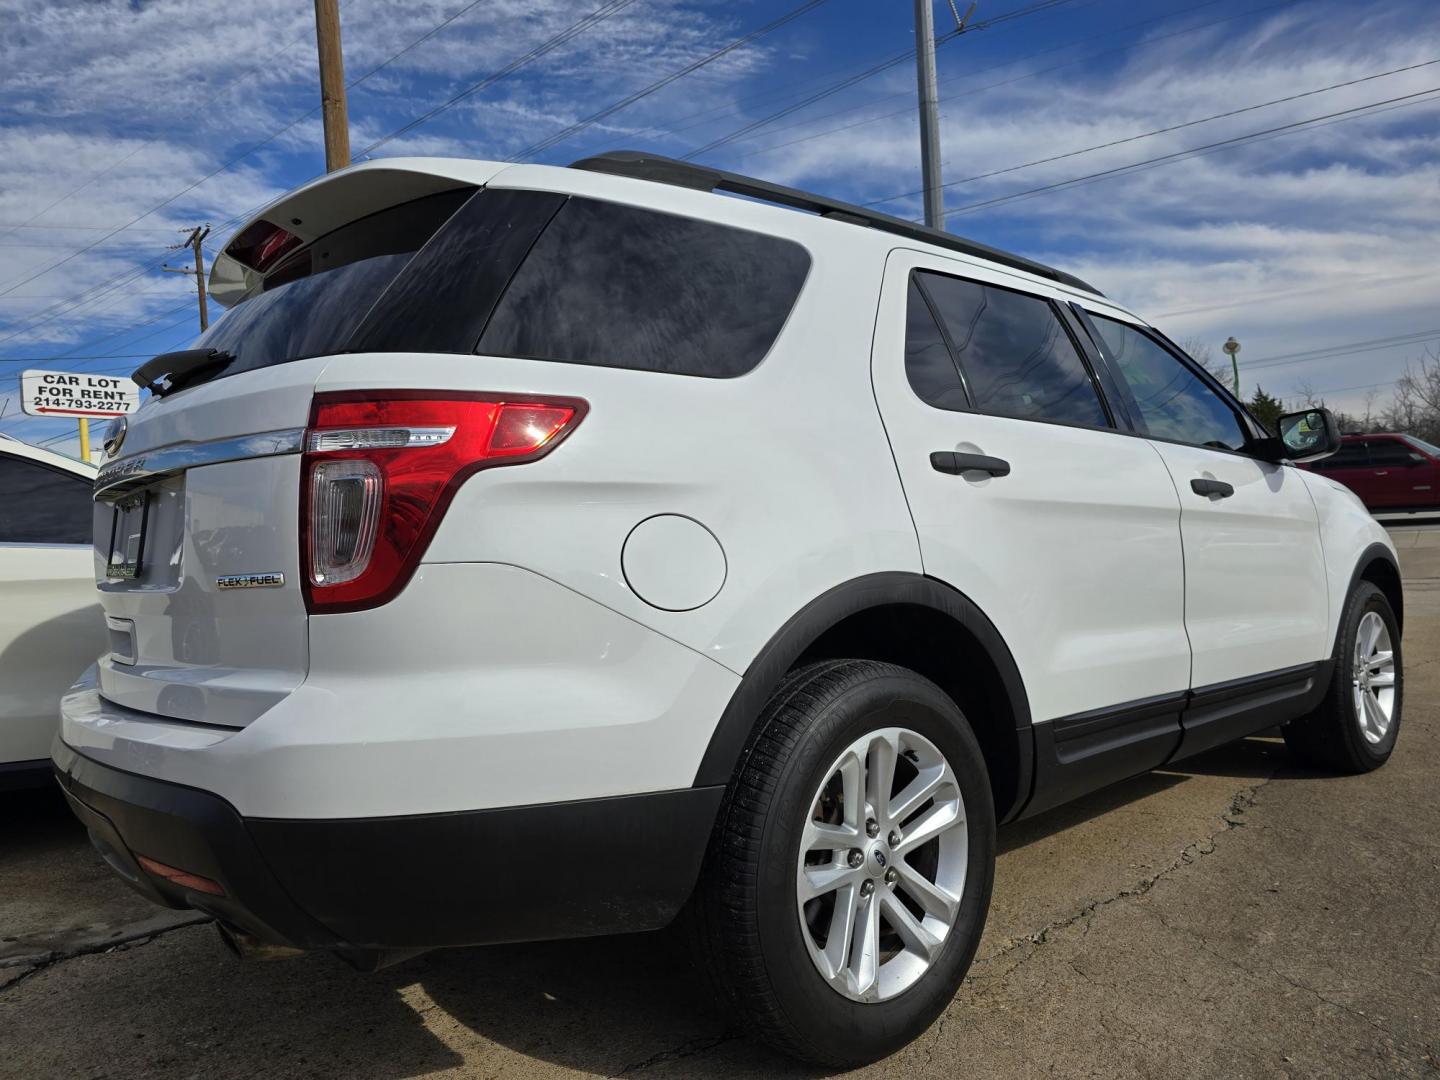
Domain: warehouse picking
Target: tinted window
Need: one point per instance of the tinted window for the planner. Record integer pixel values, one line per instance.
(1351, 455)
(1174, 402)
(40, 505)
(311, 305)
(1017, 358)
(450, 288)
(928, 363)
(621, 287)
(1386, 452)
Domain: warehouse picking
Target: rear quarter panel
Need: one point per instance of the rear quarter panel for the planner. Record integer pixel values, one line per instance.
(787, 466)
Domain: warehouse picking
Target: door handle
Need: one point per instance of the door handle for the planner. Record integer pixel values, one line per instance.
(948, 461)
(1212, 487)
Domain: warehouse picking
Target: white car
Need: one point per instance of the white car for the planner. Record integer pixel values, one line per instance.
(51, 625)
(534, 552)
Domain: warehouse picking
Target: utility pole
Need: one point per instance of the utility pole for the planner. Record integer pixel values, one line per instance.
(194, 241)
(1232, 350)
(332, 85)
(929, 114)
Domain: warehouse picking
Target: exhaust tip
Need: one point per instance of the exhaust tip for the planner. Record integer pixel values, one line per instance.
(249, 947)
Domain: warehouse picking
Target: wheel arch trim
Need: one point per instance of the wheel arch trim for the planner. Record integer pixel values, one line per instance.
(1374, 553)
(732, 734)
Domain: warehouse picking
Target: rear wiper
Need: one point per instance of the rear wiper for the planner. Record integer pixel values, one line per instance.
(173, 371)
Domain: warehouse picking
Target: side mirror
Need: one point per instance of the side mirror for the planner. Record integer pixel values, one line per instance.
(1307, 436)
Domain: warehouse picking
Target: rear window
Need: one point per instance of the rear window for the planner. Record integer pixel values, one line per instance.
(528, 274)
(311, 304)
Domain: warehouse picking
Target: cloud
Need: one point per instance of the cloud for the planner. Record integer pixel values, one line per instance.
(1297, 241)
(113, 109)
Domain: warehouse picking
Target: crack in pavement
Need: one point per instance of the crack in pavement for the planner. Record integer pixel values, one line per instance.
(1205, 944)
(1191, 853)
(39, 962)
(1240, 802)
(692, 1048)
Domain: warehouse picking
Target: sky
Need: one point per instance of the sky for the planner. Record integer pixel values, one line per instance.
(1267, 170)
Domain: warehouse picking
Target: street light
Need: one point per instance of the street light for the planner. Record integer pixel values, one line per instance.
(1232, 348)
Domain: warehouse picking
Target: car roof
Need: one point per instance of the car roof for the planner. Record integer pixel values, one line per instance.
(18, 448)
(346, 195)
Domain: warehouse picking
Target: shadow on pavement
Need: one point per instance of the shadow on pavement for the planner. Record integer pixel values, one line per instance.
(609, 1005)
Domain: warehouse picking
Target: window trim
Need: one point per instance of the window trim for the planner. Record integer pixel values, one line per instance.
(914, 278)
(1112, 420)
(58, 471)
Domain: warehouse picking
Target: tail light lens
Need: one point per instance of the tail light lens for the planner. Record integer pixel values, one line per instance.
(380, 469)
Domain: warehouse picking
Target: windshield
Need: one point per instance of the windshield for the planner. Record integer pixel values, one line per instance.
(1429, 448)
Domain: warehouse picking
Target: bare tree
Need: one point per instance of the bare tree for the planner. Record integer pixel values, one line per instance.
(1200, 351)
(1416, 405)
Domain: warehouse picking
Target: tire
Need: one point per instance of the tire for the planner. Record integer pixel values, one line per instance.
(1340, 735)
(764, 949)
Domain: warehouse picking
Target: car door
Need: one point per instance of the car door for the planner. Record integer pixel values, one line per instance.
(1425, 475)
(51, 625)
(1396, 470)
(1256, 600)
(1070, 542)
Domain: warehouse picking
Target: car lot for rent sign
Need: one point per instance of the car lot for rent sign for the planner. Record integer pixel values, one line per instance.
(79, 394)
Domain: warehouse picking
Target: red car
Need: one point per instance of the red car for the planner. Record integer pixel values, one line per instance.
(1389, 472)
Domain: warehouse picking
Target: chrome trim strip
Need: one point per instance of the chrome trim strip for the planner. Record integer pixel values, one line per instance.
(47, 545)
(126, 474)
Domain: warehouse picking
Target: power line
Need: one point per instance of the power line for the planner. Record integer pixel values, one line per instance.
(884, 65)
(1165, 130)
(660, 84)
(599, 15)
(1089, 57)
(1179, 154)
(267, 66)
(1352, 348)
(737, 108)
(43, 359)
(228, 164)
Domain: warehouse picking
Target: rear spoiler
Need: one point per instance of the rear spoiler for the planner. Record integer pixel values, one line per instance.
(295, 219)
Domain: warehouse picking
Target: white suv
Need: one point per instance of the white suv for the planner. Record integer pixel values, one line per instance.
(535, 552)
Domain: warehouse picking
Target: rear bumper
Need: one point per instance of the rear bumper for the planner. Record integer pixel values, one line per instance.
(558, 870)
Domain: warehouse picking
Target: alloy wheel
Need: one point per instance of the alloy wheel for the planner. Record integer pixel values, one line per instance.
(882, 865)
(1373, 676)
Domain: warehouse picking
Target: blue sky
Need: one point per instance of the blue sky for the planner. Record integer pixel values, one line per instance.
(1315, 245)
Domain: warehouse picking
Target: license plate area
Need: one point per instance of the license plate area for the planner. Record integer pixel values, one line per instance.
(125, 558)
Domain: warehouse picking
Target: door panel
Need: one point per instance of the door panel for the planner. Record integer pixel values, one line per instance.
(1256, 599)
(1256, 595)
(1400, 475)
(1074, 554)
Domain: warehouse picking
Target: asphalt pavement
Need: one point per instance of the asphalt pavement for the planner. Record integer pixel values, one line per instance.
(1232, 917)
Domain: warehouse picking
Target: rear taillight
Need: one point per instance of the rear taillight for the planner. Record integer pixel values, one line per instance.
(380, 468)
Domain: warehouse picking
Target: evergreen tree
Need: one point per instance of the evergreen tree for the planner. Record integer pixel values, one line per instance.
(1266, 408)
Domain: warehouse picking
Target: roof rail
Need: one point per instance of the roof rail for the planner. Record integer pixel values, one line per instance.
(664, 170)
